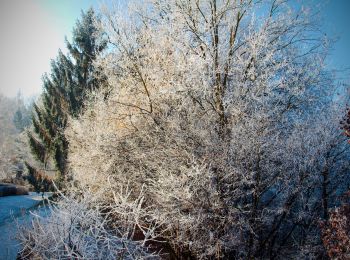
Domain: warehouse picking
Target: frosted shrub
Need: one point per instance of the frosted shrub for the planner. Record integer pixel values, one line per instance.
(77, 228)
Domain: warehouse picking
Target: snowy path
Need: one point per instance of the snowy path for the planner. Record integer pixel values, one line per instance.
(13, 210)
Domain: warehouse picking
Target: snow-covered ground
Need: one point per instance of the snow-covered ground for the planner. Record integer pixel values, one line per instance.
(14, 211)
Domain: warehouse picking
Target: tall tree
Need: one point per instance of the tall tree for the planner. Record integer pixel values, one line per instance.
(72, 76)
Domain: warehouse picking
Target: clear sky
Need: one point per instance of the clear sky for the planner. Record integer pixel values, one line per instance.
(31, 33)
(336, 22)
(33, 30)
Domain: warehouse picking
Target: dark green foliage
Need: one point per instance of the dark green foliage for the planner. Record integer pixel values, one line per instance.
(72, 77)
(40, 182)
(38, 149)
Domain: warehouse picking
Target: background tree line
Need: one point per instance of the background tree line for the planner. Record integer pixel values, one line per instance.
(14, 119)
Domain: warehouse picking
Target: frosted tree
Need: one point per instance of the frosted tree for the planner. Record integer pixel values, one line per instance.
(218, 112)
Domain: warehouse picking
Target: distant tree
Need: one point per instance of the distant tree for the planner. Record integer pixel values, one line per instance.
(17, 119)
(21, 119)
(8, 135)
(22, 116)
(72, 76)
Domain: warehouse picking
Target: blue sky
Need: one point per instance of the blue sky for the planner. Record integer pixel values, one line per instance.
(33, 30)
(66, 12)
(336, 23)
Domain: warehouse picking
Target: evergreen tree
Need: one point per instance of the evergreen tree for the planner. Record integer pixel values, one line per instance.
(22, 116)
(39, 181)
(72, 76)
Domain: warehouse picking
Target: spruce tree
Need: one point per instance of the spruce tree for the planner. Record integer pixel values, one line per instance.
(72, 77)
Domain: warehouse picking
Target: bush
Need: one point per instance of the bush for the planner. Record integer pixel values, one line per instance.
(336, 232)
(77, 228)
